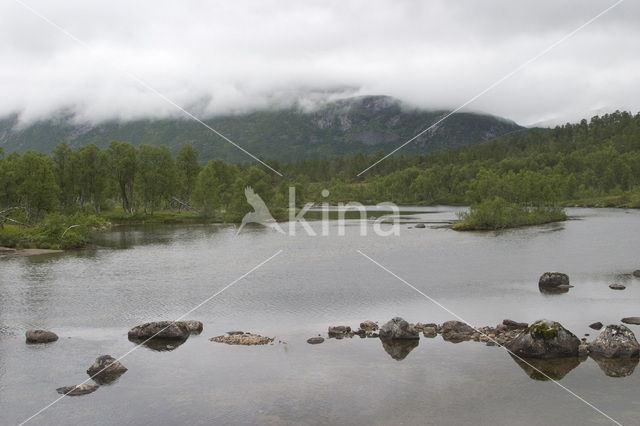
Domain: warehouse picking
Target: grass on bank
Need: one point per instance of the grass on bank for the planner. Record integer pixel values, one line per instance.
(499, 214)
(55, 231)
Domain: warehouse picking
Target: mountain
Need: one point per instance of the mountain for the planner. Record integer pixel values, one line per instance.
(362, 124)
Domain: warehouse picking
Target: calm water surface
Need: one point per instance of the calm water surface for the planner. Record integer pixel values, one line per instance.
(91, 298)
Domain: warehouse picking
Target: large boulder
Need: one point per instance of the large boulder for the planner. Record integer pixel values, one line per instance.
(398, 328)
(106, 369)
(40, 336)
(545, 339)
(554, 282)
(167, 330)
(615, 341)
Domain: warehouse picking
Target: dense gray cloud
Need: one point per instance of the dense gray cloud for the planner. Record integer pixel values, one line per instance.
(224, 57)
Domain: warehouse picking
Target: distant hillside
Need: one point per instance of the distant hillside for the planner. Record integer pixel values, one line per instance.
(362, 124)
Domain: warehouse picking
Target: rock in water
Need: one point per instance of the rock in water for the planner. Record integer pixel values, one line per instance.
(106, 369)
(40, 336)
(616, 286)
(456, 331)
(76, 390)
(545, 339)
(631, 320)
(596, 325)
(315, 340)
(368, 326)
(419, 225)
(246, 339)
(397, 328)
(513, 325)
(340, 331)
(430, 332)
(195, 327)
(636, 273)
(168, 330)
(615, 341)
(554, 281)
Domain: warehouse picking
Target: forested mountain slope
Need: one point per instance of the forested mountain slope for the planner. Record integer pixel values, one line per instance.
(356, 125)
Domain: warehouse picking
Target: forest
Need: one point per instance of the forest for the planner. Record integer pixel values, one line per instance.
(518, 179)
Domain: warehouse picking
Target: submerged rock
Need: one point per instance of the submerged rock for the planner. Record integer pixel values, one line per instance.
(398, 349)
(616, 286)
(106, 369)
(168, 330)
(545, 339)
(76, 390)
(398, 328)
(315, 340)
(615, 341)
(631, 320)
(247, 339)
(596, 325)
(40, 336)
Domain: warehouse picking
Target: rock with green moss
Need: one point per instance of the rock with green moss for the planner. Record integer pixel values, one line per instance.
(545, 339)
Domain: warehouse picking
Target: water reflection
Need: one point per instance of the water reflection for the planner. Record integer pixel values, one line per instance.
(398, 349)
(554, 290)
(159, 345)
(544, 369)
(616, 367)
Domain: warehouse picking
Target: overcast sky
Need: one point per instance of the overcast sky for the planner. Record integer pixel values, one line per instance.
(220, 57)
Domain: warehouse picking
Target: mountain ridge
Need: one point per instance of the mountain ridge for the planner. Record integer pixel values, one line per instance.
(362, 124)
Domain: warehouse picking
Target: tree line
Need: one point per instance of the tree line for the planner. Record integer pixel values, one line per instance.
(537, 167)
(146, 178)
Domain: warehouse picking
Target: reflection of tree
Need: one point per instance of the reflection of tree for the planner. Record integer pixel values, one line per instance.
(616, 367)
(398, 349)
(555, 368)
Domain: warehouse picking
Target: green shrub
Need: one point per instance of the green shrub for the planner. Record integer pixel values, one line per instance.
(500, 214)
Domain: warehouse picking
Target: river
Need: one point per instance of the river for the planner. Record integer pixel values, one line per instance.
(91, 298)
